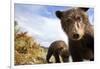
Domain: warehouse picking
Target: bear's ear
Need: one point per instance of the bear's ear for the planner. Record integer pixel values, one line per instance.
(84, 9)
(59, 14)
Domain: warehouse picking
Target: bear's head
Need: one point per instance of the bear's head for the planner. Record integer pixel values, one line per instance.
(74, 22)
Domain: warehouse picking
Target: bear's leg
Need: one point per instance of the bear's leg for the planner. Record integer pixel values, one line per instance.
(76, 57)
(65, 59)
(56, 55)
(49, 54)
(92, 59)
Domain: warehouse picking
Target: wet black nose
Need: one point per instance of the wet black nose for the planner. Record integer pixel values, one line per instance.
(75, 36)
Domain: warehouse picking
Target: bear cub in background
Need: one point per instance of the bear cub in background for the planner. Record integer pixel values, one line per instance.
(57, 49)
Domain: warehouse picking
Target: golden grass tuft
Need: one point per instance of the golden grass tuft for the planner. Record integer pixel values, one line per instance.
(27, 50)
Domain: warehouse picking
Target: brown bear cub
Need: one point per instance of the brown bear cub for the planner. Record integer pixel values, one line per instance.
(76, 25)
(57, 49)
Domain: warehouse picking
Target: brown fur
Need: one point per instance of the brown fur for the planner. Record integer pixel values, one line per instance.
(75, 24)
(58, 48)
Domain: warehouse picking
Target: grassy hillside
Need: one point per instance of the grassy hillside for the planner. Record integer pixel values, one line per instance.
(27, 50)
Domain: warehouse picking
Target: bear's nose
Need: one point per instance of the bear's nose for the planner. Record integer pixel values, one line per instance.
(75, 36)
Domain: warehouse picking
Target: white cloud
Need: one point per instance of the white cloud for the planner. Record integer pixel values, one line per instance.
(52, 31)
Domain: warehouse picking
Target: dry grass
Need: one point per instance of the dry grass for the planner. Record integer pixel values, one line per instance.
(27, 50)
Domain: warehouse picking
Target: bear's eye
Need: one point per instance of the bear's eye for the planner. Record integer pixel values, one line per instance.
(68, 20)
(79, 18)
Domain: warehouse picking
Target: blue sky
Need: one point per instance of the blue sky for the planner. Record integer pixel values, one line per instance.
(40, 22)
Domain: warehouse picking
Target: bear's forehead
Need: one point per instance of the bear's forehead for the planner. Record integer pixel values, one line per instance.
(72, 12)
